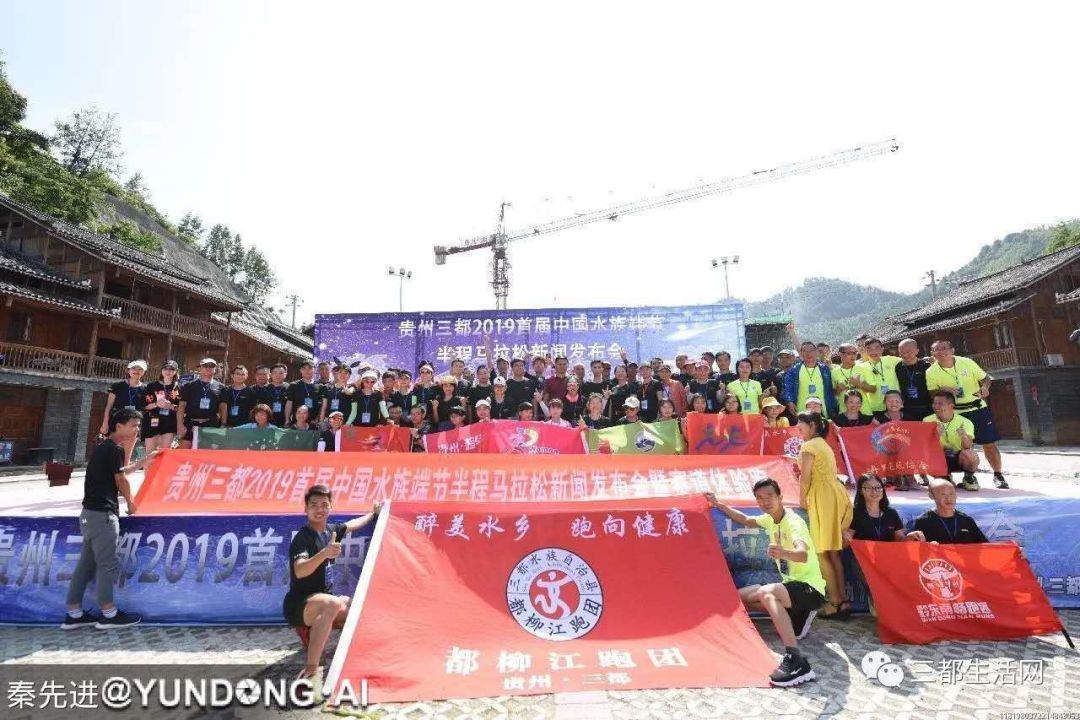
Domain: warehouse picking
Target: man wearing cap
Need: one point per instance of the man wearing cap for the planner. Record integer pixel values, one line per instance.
(199, 401)
(237, 400)
(705, 386)
(159, 411)
(482, 410)
(808, 378)
(128, 393)
(329, 436)
(631, 406)
(275, 394)
(502, 408)
(339, 394)
(306, 392)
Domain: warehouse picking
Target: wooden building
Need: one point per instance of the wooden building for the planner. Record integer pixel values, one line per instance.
(1014, 324)
(75, 307)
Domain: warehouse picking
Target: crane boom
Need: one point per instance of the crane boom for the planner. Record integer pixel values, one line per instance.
(498, 241)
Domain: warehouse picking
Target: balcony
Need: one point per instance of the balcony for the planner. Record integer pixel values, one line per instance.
(155, 319)
(1009, 358)
(58, 362)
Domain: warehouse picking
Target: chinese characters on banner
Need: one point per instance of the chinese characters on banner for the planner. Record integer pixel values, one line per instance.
(220, 481)
(581, 334)
(925, 593)
(893, 449)
(547, 599)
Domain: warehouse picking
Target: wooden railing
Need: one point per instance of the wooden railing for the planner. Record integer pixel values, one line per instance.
(1009, 358)
(162, 320)
(14, 356)
(109, 368)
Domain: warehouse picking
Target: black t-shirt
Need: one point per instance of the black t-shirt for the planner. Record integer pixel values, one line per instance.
(442, 412)
(172, 394)
(128, 396)
(328, 437)
(649, 395)
(958, 529)
(618, 397)
(519, 391)
(421, 395)
(367, 409)
(709, 390)
(480, 392)
(725, 377)
(302, 393)
(589, 387)
(337, 400)
(767, 378)
(598, 424)
(571, 411)
(879, 528)
(308, 544)
(843, 420)
(202, 400)
(912, 379)
(99, 487)
(504, 410)
(238, 405)
(275, 396)
(400, 399)
(684, 378)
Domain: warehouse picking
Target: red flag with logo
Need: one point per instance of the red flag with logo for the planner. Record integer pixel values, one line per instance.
(473, 600)
(788, 442)
(894, 449)
(385, 438)
(925, 593)
(513, 437)
(709, 434)
(466, 439)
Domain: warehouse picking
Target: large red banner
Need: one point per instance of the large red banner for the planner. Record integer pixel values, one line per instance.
(925, 593)
(466, 439)
(893, 449)
(485, 600)
(181, 482)
(708, 434)
(385, 438)
(531, 438)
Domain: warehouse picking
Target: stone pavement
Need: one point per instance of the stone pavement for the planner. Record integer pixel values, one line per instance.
(960, 680)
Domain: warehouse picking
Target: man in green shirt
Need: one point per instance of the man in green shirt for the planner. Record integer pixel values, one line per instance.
(847, 374)
(878, 376)
(957, 435)
(793, 602)
(970, 385)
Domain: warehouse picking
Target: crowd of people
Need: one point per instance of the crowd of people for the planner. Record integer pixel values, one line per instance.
(813, 390)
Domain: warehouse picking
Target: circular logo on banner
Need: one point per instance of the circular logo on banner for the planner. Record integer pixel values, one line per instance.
(554, 594)
(644, 441)
(792, 446)
(941, 579)
(888, 443)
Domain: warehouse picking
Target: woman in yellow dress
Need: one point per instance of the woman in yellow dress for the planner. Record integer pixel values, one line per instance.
(828, 507)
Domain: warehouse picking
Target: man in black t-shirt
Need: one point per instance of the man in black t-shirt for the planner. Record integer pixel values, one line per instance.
(99, 522)
(596, 383)
(945, 524)
(310, 606)
(520, 388)
(723, 364)
(911, 374)
(237, 400)
(703, 385)
(306, 392)
(199, 401)
(275, 394)
(648, 392)
(339, 394)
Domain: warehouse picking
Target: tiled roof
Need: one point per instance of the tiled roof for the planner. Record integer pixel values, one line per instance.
(888, 330)
(1074, 296)
(132, 259)
(255, 323)
(961, 319)
(1005, 282)
(8, 288)
(16, 263)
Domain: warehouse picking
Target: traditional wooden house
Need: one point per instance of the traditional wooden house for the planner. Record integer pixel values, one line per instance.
(75, 307)
(1012, 323)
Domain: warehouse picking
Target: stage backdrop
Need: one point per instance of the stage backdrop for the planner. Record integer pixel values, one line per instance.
(402, 340)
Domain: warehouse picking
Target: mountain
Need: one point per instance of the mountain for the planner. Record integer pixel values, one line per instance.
(836, 311)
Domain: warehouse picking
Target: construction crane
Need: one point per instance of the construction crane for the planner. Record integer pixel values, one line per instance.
(498, 241)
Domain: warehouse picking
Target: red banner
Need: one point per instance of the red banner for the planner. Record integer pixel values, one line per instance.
(513, 437)
(709, 434)
(181, 482)
(385, 438)
(466, 439)
(893, 449)
(782, 441)
(925, 593)
(485, 600)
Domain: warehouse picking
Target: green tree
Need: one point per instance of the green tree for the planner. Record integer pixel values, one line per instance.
(126, 232)
(190, 229)
(1063, 235)
(89, 140)
(246, 267)
(136, 185)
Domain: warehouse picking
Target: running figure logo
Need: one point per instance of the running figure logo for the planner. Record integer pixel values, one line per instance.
(554, 594)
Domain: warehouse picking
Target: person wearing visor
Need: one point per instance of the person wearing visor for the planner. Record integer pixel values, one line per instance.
(367, 402)
(129, 394)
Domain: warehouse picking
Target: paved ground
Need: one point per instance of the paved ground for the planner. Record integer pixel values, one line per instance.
(942, 681)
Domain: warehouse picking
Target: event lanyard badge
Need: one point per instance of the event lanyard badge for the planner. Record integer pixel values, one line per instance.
(335, 404)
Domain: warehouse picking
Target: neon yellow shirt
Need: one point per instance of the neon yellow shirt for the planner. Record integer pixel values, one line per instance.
(949, 432)
(749, 394)
(811, 384)
(791, 528)
(882, 375)
(840, 378)
(965, 374)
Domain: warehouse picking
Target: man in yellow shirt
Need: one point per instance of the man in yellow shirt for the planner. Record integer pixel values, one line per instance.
(970, 385)
(878, 376)
(845, 375)
(957, 436)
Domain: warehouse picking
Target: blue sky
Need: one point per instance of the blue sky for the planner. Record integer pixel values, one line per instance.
(341, 137)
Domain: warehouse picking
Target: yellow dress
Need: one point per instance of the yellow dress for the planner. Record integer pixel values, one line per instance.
(827, 503)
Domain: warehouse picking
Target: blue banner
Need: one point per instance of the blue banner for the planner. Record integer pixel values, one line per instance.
(176, 570)
(403, 340)
(234, 570)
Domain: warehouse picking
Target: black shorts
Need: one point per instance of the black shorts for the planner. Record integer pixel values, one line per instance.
(189, 436)
(292, 608)
(804, 600)
(166, 424)
(986, 432)
(952, 462)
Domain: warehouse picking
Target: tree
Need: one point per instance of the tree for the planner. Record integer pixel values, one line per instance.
(190, 229)
(136, 185)
(1063, 235)
(126, 232)
(247, 268)
(89, 140)
(12, 113)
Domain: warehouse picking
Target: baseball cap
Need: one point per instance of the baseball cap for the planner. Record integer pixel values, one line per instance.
(172, 364)
(632, 402)
(814, 400)
(208, 361)
(369, 375)
(525, 405)
(337, 412)
(484, 402)
(499, 381)
(787, 351)
(457, 410)
(137, 364)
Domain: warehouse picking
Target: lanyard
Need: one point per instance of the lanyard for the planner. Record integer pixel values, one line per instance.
(276, 389)
(947, 427)
(133, 395)
(204, 386)
(847, 375)
(236, 395)
(810, 374)
(877, 523)
(955, 376)
(879, 369)
(745, 388)
(952, 533)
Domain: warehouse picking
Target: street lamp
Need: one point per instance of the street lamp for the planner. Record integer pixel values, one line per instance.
(725, 261)
(402, 275)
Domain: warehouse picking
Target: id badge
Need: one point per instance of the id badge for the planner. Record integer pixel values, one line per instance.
(204, 403)
(164, 411)
(813, 389)
(747, 405)
(309, 403)
(335, 404)
(884, 389)
(913, 392)
(365, 417)
(235, 411)
(277, 407)
(644, 404)
(129, 407)
(154, 422)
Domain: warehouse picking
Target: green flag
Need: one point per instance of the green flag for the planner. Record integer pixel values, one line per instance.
(270, 438)
(659, 438)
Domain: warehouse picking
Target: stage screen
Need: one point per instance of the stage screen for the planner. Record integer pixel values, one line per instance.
(403, 340)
